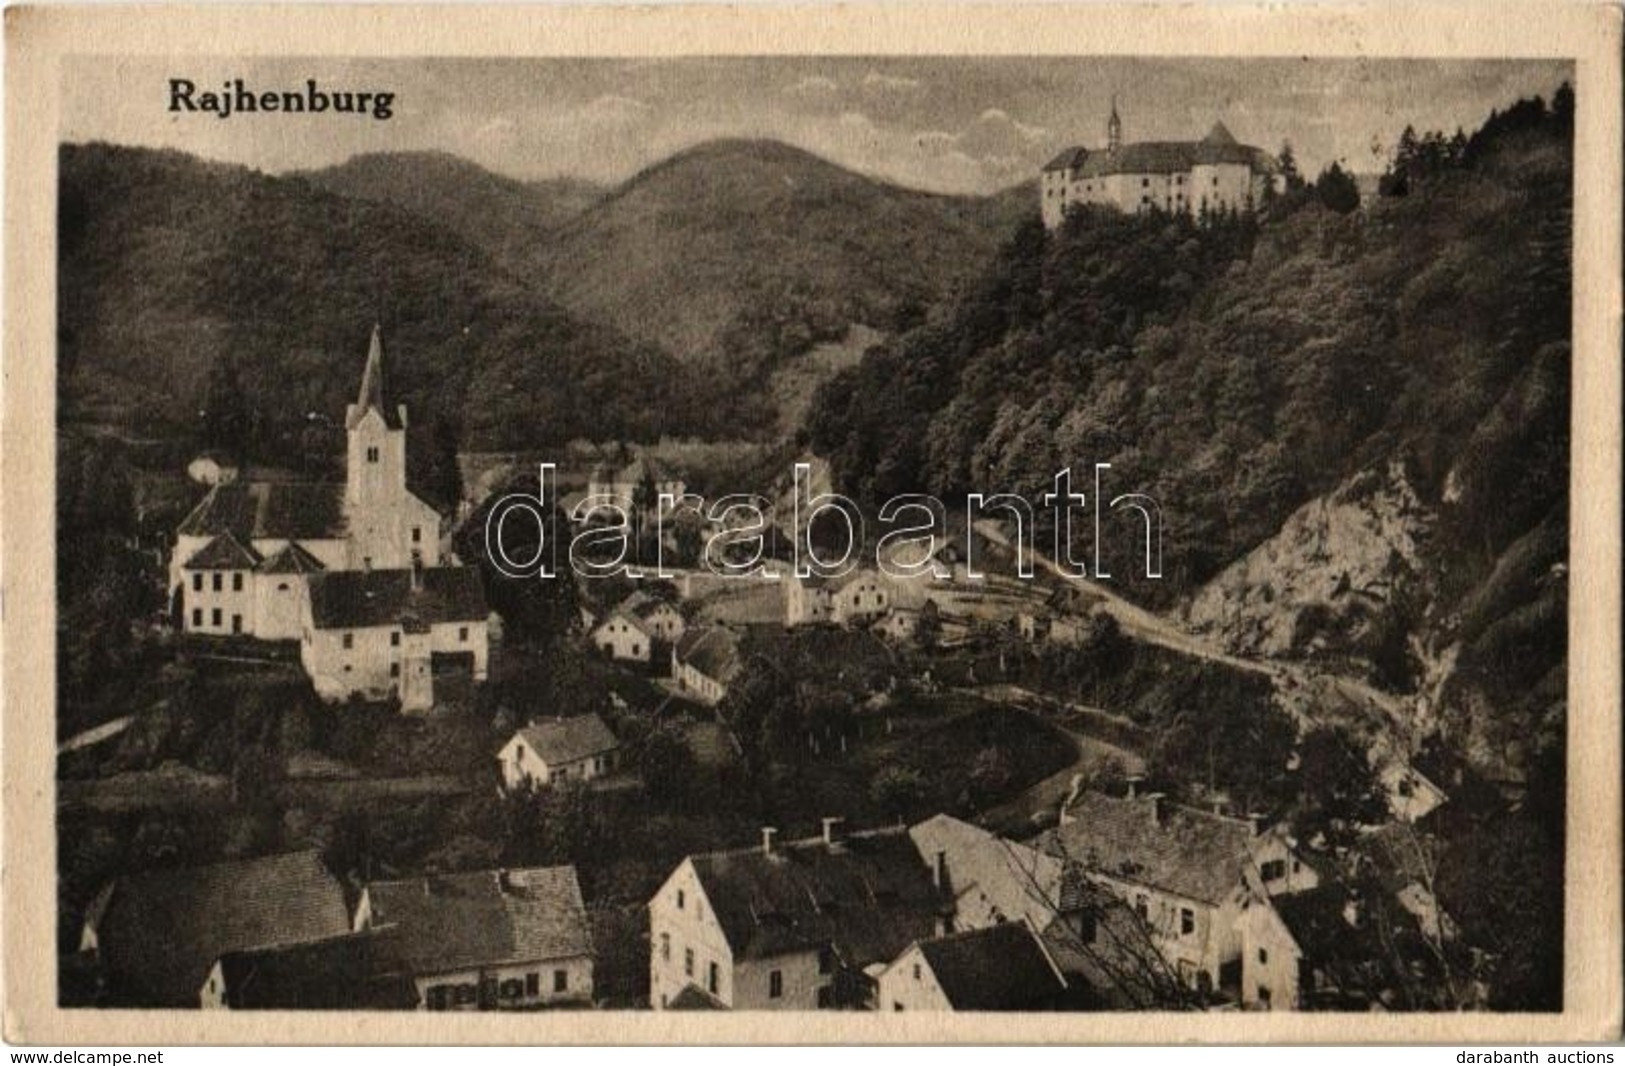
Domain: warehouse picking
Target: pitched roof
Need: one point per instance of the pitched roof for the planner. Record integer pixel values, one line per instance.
(372, 396)
(1164, 157)
(565, 740)
(642, 604)
(1015, 880)
(1070, 159)
(292, 559)
(223, 553)
(460, 921)
(1002, 967)
(713, 651)
(358, 599)
(868, 898)
(160, 932)
(352, 971)
(1145, 840)
(279, 510)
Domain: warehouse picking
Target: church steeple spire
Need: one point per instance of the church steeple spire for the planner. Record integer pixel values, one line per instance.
(1114, 128)
(372, 396)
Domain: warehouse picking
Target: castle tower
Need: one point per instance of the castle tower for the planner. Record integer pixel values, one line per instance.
(375, 479)
(1114, 129)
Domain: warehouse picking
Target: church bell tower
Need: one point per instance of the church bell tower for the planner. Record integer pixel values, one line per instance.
(375, 477)
(1114, 129)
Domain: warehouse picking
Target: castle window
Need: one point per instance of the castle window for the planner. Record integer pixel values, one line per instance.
(214, 617)
(219, 581)
(372, 454)
(197, 582)
(237, 582)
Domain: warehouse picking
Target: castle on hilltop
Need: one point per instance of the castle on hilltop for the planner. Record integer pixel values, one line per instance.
(1216, 173)
(351, 570)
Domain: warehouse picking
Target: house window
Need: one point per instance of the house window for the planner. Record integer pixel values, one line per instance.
(1145, 183)
(775, 985)
(1263, 957)
(665, 947)
(825, 997)
(713, 978)
(1273, 870)
(1142, 908)
(682, 898)
(533, 984)
(236, 623)
(462, 634)
(372, 455)
(236, 582)
(1264, 995)
(561, 980)
(417, 535)
(349, 641)
(394, 638)
(1187, 921)
(688, 962)
(637, 649)
(282, 586)
(197, 582)
(1216, 185)
(197, 616)
(896, 1007)
(219, 581)
(394, 669)
(214, 617)
(916, 971)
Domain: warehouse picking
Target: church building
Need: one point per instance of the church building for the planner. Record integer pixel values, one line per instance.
(353, 571)
(1216, 173)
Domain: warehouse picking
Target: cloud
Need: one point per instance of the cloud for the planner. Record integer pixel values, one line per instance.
(612, 109)
(878, 82)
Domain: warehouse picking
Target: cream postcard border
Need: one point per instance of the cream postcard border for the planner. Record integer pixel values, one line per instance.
(37, 40)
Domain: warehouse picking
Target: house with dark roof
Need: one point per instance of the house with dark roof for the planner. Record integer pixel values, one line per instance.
(804, 925)
(705, 662)
(1216, 173)
(155, 936)
(489, 939)
(633, 630)
(351, 971)
(381, 633)
(247, 560)
(632, 487)
(558, 751)
(1002, 967)
(1193, 878)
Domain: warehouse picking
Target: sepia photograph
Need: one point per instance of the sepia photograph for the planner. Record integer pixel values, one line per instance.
(878, 533)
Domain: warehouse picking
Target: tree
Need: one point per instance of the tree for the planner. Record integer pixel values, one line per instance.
(666, 764)
(1338, 792)
(989, 775)
(1336, 189)
(1291, 177)
(899, 789)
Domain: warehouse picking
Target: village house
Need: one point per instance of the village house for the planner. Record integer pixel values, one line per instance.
(554, 752)
(633, 630)
(1193, 879)
(807, 601)
(805, 925)
(351, 971)
(401, 633)
(899, 625)
(489, 939)
(705, 662)
(249, 557)
(858, 598)
(997, 968)
(1216, 173)
(156, 936)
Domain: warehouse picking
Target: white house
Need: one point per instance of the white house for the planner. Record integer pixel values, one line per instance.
(858, 598)
(382, 633)
(796, 926)
(633, 630)
(554, 752)
(705, 662)
(996, 968)
(490, 939)
(807, 601)
(635, 488)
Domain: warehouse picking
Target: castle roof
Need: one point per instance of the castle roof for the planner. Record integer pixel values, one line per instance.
(372, 396)
(361, 599)
(1163, 157)
(272, 510)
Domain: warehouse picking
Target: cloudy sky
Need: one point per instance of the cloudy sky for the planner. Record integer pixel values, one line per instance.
(945, 124)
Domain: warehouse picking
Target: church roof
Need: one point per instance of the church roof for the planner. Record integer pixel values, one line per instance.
(222, 553)
(372, 396)
(292, 559)
(277, 510)
(361, 599)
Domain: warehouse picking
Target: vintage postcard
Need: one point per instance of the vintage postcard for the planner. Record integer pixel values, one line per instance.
(855, 524)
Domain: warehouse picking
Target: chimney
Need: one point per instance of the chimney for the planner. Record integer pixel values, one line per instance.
(832, 833)
(939, 870)
(768, 832)
(1134, 781)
